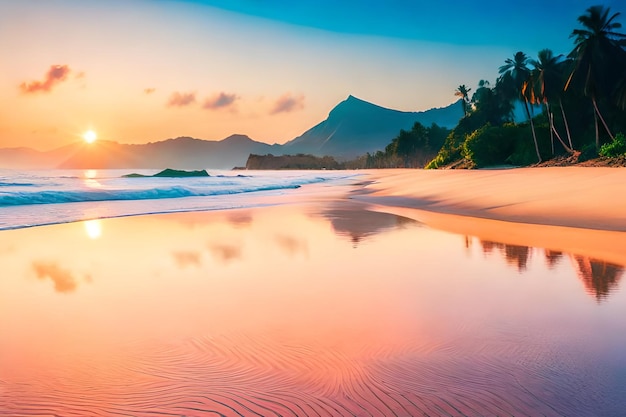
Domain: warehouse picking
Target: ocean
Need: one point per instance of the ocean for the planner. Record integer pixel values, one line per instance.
(42, 197)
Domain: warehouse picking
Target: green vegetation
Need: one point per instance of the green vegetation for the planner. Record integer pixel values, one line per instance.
(615, 148)
(299, 161)
(410, 149)
(171, 173)
(572, 106)
(580, 100)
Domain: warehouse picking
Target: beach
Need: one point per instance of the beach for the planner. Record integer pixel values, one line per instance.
(390, 293)
(589, 198)
(573, 209)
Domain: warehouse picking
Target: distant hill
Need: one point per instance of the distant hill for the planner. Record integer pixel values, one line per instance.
(179, 153)
(355, 127)
(24, 158)
(299, 161)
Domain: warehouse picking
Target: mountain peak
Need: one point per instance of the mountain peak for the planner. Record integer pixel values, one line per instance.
(354, 106)
(355, 126)
(237, 138)
(355, 100)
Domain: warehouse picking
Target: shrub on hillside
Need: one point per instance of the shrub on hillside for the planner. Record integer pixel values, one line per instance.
(449, 152)
(524, 152)
(615, 148)
(490, 145)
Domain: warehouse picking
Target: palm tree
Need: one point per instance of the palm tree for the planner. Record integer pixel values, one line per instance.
(492, 105)
(547, 76)
(483, 86)
(596, 47)
(463, 92)
(521, 76)
(621, 93)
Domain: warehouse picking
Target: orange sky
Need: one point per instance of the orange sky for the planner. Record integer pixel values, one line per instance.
(145, 70)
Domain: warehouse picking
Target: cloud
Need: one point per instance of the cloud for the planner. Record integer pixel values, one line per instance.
(55, 75)
(288, 103)
(181, 99)
(149, 90)
(63, 279)
(219, 101)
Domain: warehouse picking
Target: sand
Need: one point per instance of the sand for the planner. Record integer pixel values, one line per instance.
(591, 198)
(312, 304)
(571, 209)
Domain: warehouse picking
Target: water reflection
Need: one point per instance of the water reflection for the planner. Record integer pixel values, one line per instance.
(186, 259)
(93, 228)
(599, 277)
(553, 257)
(283, 316)
(64, 281)
(225, 253)
(516, 256)
(359, 224)
(240, 219)
(90, 180)
(292, 245)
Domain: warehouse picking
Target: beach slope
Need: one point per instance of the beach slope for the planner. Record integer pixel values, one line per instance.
(589, 198)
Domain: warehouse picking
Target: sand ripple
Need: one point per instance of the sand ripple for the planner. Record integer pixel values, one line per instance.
(242, 376)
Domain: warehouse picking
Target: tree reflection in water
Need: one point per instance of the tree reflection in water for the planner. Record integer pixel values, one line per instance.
(516, 256)
(599, 277)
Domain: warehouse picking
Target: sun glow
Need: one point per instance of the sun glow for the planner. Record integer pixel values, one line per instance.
(90, 136)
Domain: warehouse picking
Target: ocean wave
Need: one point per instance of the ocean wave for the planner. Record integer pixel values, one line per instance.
(76, 196)
(16, 184)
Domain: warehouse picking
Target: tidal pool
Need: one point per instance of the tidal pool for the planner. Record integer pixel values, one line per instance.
(301, 310)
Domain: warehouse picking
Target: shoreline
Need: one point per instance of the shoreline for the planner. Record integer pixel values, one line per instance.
(575, 197)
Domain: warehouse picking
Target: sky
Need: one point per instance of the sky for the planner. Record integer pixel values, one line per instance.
(137, 71)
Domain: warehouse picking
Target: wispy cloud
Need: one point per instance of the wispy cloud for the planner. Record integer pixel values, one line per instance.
(181, 99)
(55, 75)
(288, 103)
(149, 90)
(219, 101)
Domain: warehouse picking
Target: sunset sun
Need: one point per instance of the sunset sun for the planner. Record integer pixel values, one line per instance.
(90, 136)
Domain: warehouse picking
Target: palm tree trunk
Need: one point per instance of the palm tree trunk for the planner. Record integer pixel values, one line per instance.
(556, 133)
(595, 122)
(532, 128)
(551, 127)
(569, 137)
(595, 106)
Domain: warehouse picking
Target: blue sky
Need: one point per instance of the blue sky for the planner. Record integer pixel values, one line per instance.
(531, 24)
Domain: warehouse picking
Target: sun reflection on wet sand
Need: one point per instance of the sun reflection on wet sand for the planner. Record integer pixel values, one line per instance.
(303, 310)
(93, 228)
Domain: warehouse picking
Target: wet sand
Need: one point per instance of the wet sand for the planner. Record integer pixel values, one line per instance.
(569, 209)
(319, 304)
